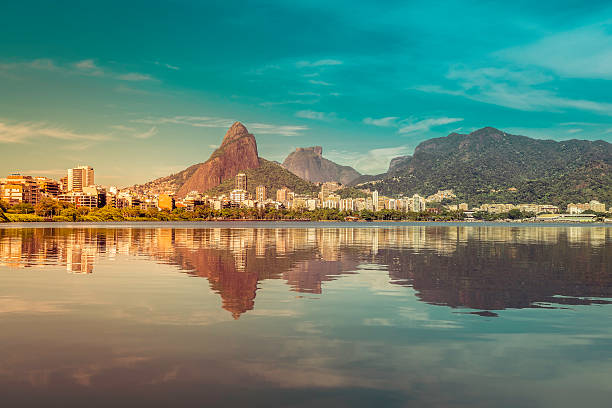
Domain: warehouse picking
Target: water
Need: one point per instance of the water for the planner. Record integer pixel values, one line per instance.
(299, 314)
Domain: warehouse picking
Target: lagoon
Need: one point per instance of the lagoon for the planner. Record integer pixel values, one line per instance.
(301, 314)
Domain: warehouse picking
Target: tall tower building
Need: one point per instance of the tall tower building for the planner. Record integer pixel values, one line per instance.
(260, 194)
(375, 200)
(241, 181)
(79, 177)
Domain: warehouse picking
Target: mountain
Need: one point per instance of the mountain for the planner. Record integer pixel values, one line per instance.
(237, 153)
(270, 174)
(483, 165)
(309, 164)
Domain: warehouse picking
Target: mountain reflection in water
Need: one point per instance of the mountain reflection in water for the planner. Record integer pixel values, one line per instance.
(478, 267)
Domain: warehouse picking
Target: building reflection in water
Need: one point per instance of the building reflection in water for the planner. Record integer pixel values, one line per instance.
(484, 268)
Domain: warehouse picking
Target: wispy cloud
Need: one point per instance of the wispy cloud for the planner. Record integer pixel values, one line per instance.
(410, 125)
(318, 63)
(134, 76)
(146, 135)
(86, 67)
(584, 52)
(309, 114)
(223, 123)
(24, 132)
(424, 125)
(172, 67)
(374, 161)
(511, 89)
(317, 82)
(388, 121)
(281, 130)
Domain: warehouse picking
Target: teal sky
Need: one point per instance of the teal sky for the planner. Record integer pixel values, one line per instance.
(139, 90)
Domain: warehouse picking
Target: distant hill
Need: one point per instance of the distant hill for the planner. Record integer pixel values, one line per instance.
(270, 174)
(309, 164)
(483, 165)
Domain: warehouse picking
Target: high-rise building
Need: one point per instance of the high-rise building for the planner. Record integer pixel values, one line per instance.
(260, 194)
(241, 181)
(237, 196)
(48, 186)
(281, 194)
(79, 177)
(375, 200)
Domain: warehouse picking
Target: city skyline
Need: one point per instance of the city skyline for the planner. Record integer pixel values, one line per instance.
(137, 104)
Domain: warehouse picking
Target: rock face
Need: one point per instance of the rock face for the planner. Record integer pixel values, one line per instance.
(309, 164)
(238, 152)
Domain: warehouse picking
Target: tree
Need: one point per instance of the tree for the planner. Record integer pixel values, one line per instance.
(22, 208)
(47, 207)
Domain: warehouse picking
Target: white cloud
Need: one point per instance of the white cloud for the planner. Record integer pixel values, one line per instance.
(146, 135)
(319, 63)
(86, 64)
(25, 131)
(585, 52)
(511, 89)
(222, 123)
(317, 82)
(309, 114)
(424, 125)
(382, 122)
(375, 161)
(86, 67)
(282, 130)
(134, 76)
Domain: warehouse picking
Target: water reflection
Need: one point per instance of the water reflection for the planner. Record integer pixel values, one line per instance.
(483, 268)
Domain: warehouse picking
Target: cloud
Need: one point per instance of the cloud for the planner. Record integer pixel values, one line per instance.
(86, 67)
(145, 135)
(195, 121)
(26, 131)
(584, 52)
(282, 130)
(382, 122)
(134, 76)
(425, 124)
(309, 114)
(86, 64)
(317, 82)
(172, 67)
(511, 89)
(319, 63)
(222, 123)
(375, 161)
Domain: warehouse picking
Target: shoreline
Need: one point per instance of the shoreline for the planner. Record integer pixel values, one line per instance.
(290, 223)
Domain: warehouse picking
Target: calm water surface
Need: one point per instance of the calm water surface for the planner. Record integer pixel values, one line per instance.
(306, 314)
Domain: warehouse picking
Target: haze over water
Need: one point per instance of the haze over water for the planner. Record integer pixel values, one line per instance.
(306, 314)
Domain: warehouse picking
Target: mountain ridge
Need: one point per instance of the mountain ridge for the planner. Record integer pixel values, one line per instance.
(309, 164)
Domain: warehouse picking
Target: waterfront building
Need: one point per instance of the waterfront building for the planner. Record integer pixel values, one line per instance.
(16, 189)
(282, 195)
(79, 177)
(47, 186)
(375, 200)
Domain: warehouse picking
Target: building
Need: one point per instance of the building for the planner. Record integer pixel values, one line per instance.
(237, 196)
(79, 177)
(417, 203)
(260, 194)
(16, 189)
(47, 186)
(375, 202)
(241, 181)
(80, 199)
(282, 194)
(166, 202)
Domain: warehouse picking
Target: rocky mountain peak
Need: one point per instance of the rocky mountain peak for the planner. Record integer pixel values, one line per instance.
(317, 150)
(236, 131)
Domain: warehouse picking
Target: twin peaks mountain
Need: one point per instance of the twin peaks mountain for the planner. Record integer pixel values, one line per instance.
(237, 154)
(309, 164)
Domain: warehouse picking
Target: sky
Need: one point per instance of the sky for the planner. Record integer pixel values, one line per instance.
(140, 90)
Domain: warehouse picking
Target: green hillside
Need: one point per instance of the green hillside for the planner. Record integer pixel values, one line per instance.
(270, 174)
